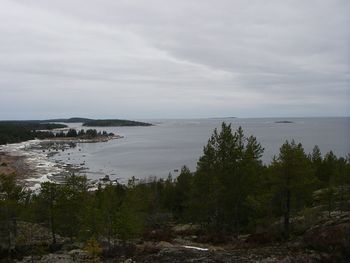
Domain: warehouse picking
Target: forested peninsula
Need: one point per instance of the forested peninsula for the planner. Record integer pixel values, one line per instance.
(233, 208)
(19, 131)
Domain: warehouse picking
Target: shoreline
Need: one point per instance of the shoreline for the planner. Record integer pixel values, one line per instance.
(82, 140)
(30, 161)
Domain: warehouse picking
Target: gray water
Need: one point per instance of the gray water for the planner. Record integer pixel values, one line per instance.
(170, 144)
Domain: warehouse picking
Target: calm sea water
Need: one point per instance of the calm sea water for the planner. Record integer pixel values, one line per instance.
(170, 144)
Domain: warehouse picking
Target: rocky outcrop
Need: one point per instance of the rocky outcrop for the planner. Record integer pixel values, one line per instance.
(332, 236)
(76, 255)
(326, 241)
(182, 255)
(50, 258)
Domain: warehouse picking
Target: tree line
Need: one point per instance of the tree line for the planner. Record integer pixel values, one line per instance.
(15, 132)
(73, 133)
(231, 192)
(19, 131)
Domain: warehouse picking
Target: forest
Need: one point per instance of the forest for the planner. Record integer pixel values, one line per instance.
(114, 123)
(15, 132)
(19, 131)
(231, 193)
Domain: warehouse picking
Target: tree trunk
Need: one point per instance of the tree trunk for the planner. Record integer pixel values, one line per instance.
(287, 214)
(237, 226)
(52, 217)
(341, 199)
(329, 202)
(52, 229)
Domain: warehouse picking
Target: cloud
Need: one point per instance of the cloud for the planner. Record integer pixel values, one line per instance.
(144, 59)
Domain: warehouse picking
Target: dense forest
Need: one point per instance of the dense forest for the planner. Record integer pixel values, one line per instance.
(15, 132)
(18, 131)
(230, 194)
(73, 133)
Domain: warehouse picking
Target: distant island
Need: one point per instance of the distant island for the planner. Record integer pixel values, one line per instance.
(99, 122)
(284, 122)
(222, 118)
(69, 120)
(114, 123)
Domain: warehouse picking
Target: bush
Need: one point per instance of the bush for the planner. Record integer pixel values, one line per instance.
(94, 249)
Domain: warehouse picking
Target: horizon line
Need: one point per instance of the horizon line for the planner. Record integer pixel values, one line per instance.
(182, 118)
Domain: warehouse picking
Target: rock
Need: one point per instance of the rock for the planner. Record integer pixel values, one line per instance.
(306, 258)
(79, 255)
(259, 238)
(164, 244)
(183, 255)
(128, 260)
(35, 234)
(332, 237)
(187, 229)
(68, 246)
(152, 247)
(269, 260)
(147, 248)
(50, 258)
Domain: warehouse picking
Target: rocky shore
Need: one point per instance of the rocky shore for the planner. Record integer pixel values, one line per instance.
(31, 164)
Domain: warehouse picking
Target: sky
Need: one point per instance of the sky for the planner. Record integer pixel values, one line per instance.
(174, 59)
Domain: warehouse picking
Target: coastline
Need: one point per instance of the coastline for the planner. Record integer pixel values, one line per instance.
(81, 140)
(30, 167)
(30, 161)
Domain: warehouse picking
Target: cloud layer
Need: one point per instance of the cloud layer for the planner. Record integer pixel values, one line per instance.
(186, 58)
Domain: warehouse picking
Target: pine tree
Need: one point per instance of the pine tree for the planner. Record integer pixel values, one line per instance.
(183, 188)
(225, 175)
(47, 205)
(294, 180)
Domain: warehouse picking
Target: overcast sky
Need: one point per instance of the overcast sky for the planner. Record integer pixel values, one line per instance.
(167, 59)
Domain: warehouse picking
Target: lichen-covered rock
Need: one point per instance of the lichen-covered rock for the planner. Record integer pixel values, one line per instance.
(50, 258)
(332, 237)
(184, 255)
(79, 255)
(306, 258)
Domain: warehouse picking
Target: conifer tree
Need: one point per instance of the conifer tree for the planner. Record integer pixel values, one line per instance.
(294, 180)
(225, 174)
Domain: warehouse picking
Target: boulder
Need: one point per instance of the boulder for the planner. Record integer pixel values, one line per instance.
(332, 237)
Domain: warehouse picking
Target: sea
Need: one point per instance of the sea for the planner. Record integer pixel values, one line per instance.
(162, 149)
